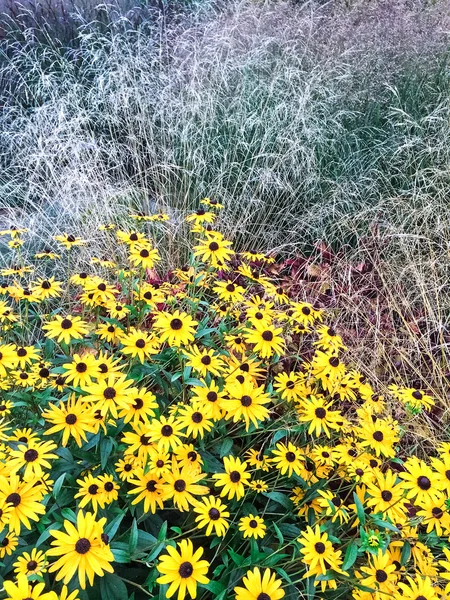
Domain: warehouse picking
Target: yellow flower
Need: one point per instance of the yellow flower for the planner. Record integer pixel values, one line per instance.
(212, 515)
(260, 586)
(252, 526)
(233, 480)
(25, 500)
(24, 590)
(183, 569)
(65, 329)
(176, 329)
(81, 550)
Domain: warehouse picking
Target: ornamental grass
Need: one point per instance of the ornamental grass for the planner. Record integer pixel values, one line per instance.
(199, 434)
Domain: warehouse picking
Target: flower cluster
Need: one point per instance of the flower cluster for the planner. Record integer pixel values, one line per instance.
(200, 434)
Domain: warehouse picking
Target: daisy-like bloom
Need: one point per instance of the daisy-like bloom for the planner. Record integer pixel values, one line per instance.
(8, 543)
(379, 435)
(415, 398)
(142, 403)
(91, 491)
(73, 418)
(149, 487)
(228, 291)
(24, 379)
(318, 552)
(5, 408)
(19, 270)
(33, 563)
(332, 506)
(290, 387)
(81, 370)
(8, 358)
(117, 310)
(212, 515)
(166, 433)
(305, 313)
(109, 394)
(126, 467)
(25, 436)
(328, 339)
(138, 440)
(187, 456)
(252, 526)
(101, 290)
(182, 486)
(443, 468)
(204, 361)
(25, 355)
(131, 238)
(81, 278)
(144, 256)
(256, 458)
(380, 574)
(107, 365)
(328, 368)
(201, 216)
(148, 294)
(236, 342)
(419, 588)
(386, 494)
(260, 586)
(212, 203)
(176, 329)
(13, 231)
(103, 262)
(65, 329)
(435, 517)
(47, 288)
(24, 590)
(140, 344)
(245, 368)
(246, 402)
(316, 411)
(214, 251)
(5, 510)
(25, 500)
(109, 488)
(421, 483)
(69, 241)
(266, 339)
(288, 459)
(194, 421)
(183, 570)
(233, 480)
(258, 486)
(159, 461)
(33, 458)
(208, 399)
(81, 549)
(109, 332)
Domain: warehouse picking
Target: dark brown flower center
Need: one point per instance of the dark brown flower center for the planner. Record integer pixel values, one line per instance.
(197, 417)
(334, 361)
(31, 455)
(31, 565)
(380, 575)
(386, 495)
(140, 343)
(206, 360)
(378, 436)
(319, 547)
(138, 403)
(214, 514)
(213, 246)
(83, 546)
(151, 486)
(93, 489)
(109, 486)
(81, 367)
(246, 401)
(14, 499)
(71, 419)
(230, 287)
(267, 336)
(109, 393)
(176, 324)
(320, 413)
(66, 324)
(179, 485)
(211, 396)
(186, 569)
(235, 476)
(290, 456)
(424, 483)
(166, 430)
(21, 352)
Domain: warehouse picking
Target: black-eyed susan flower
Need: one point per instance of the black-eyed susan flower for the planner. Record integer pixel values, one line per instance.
(420, 481)
(212, 515)
(31, 563)
(177, 329)
(68, 240)
(208, 399)
(140, 344)
(379, 436)
(194, 421)
(23, 589)
(159, 461)
(32, 458)
(318, 551)
(228, 291)
(144, 256)
(201, 216)
(258, 486)
(141, 407)
(126, 467)
(90, 491)
(8, 543)
(73, 418)
(166, 433)
(246, 402)
(81, 371)
(117, 310)
(317, 412)
(149, 294)
(288, 459)
(419, 587)
(110, 394)
(204, 361)
(47, 288)
(188, 456)
(214, 251)
(181, 485)
(109, 332)
(380, 574)
(66, 329)
(109, 487)
(24, 498)
(289, 386)
(265, 338)
(234, 479)
(260, 585)
(252, 526)
(183, 569)
(81, 549)
(131, 238)
(149, 489)
(385, 495)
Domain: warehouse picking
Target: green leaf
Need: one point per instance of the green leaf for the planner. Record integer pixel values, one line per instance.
(162, 534)
(58, 485)
(113, 588)
(280, 498)
(214, 587)
(406, 553)
(359, 509)
(350, 556)
(113, 526)
(106, 446)
(159, 547)
(385, 524)
(133, 540)
(278, 533)
(225, 447)
(310, 588)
